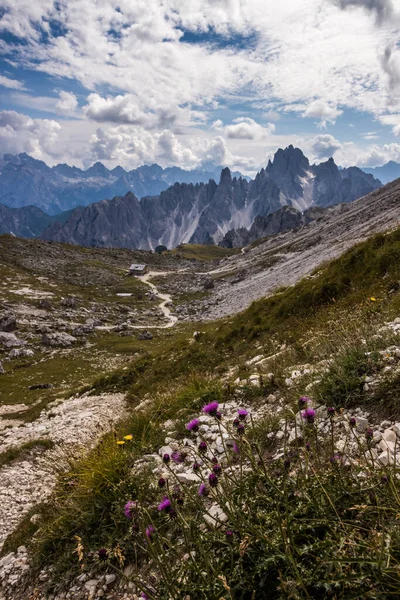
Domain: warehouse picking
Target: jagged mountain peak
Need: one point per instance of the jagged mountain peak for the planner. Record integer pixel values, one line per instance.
(204, 213)
(226, 177)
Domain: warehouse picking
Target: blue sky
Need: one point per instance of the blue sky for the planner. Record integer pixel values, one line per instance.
(186, 82)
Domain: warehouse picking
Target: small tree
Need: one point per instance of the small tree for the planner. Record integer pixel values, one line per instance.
(160, 249)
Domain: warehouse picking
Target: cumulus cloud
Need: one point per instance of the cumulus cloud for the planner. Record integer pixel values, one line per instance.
(134, 146)
(391, 66)
(244, 128)
(111, 43)
(127, 109)
(19, 133)
(382, 9)
(322, 110)
(324, 146)
(12, 84)
(67, 103)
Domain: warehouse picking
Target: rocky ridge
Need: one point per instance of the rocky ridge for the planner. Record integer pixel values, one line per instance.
(204, 213)
(26, 181)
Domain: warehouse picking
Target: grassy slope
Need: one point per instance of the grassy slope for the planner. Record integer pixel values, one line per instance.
(324, 316)
(200, 252)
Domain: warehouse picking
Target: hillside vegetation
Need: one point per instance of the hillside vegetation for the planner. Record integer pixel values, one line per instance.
(308, 524)
(200, 252)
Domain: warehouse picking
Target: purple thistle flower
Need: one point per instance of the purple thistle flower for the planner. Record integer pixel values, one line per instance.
(352, 421)
(202, 447)
(217, 469)
(150, 532)
(331, 411)
(235, 448)
(236, 422)
(213, 480)
(161, 482)
(303, 401)
(211, 409)
(309, 415)
(242, 412)
(193, 425)
(166, 458)
(165, 505)
(144, 596)
(240, 429)
(384, 479)
(178, 457)
(308, 446)
(102, 554)
(214, 460)
(196, 466)
(229, 534)
(203, 490)
(369, 434)
(129, 509)
(334, 459)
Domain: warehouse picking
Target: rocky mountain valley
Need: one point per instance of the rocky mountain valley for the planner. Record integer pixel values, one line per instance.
(102, 375)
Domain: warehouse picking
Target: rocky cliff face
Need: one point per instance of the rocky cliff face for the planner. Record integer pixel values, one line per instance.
(205, 213)
(280, 221)
(26, 181)
(28, 221)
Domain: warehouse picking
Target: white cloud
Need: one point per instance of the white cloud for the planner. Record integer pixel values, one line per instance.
(298, 52)
(324, 146)
(134, 146)
(322, 110)
(244, 128)
(67, 103)
(12, 84)
(150, 94)
(19, 133)
(371, 156)
(127, 109)
(383, 9)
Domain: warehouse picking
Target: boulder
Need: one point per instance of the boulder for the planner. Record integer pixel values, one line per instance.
(145, 335)
(209, 284)
(8, 322)
(41, 386)
(361, 424)
(45, 304)
(70, 302)
(61, 339)
(10, 340)
(20, 352)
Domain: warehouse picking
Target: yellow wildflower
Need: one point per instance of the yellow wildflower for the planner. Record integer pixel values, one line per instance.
(373, 299)
(128, 437)
(120, 442)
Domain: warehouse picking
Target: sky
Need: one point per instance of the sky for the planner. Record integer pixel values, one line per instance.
(199, 82)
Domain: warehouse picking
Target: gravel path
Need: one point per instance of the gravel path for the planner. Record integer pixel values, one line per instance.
(68, 423)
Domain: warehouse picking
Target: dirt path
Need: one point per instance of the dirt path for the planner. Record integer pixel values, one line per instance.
(166, 300)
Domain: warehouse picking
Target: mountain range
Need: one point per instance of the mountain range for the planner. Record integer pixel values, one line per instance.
(29, 221)
(205, 213)
(386, 173)
(25, 181)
